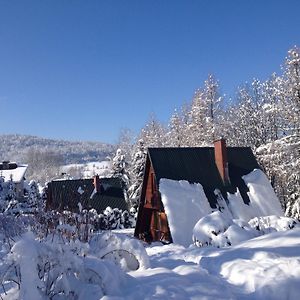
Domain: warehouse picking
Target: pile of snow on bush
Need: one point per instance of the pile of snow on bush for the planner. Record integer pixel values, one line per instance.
(219, 229)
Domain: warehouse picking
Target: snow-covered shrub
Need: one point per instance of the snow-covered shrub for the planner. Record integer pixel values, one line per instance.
(272, 223)
(12, 226)
(133, 216)
(54, 269)
(114, 219)
(108, 245)
(219, 230)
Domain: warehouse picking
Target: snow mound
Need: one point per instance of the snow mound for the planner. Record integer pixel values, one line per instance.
(218, 229)
(184, 205)
(127, 253)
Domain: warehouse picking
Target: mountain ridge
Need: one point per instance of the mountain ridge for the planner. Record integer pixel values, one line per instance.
(17, 146)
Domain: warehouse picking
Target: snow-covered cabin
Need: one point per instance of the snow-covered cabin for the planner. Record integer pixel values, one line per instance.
(182, 185)
(11, 171)
(97, 193)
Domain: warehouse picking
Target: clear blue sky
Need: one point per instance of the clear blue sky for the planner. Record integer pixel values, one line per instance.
(82, 70)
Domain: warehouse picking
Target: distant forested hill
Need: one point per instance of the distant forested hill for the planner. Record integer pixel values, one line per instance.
(15, 147)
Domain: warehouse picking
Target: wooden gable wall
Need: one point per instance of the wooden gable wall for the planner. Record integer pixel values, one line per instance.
(152, 224)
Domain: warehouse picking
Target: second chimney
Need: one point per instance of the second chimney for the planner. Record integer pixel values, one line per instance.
(221, 159)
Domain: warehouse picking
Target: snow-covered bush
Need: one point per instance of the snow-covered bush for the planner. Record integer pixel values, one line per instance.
(272, 223)
(61, 258)
(128, 253)
(114, 218)
(54, 269)
(218, 229)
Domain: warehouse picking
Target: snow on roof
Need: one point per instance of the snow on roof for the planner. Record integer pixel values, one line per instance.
(184, 205)
(263, 201)
(15, 174)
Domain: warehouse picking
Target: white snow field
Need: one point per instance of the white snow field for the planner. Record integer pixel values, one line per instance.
(263, 268)
(240, 252)
(88, 170)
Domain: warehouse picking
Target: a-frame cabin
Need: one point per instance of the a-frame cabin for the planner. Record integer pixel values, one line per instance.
(217, 167)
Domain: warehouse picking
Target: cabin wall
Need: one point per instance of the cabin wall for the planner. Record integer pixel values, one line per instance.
(149, 187)
(158, 228)
(152, 196)
(152, 224)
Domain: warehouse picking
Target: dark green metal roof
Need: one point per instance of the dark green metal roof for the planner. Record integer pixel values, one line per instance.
(66, 194)
(197, 165)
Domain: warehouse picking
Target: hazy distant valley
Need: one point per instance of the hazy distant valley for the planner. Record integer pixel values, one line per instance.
(15, 147)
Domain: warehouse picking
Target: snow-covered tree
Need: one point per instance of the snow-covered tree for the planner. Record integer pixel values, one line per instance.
(154, 133)
(125, 142)
(137, 171)
(292, 88)
(281, 160)
(204, 115)
(214, 101)
(119, 168)
(176, 131)
(118, 164)
(43, 165)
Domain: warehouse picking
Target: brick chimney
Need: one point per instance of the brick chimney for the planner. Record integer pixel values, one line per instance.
(97, 184)
(221, 159)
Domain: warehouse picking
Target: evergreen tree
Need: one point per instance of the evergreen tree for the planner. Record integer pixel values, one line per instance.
(292, 89)
(137, 172)
(203, 125)
(199, 125)
(213, 99)
(119, 168)
(176, 131)
(153, 134)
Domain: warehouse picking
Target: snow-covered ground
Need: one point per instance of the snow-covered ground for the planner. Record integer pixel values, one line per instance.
(266, 267)
(88, 170)
(237, 258)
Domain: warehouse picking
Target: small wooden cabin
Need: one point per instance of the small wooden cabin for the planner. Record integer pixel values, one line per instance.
(97, 193)
(217, 167)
